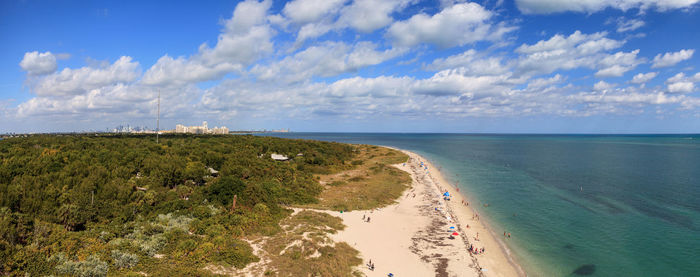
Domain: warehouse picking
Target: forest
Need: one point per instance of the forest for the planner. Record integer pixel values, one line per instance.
(101, 204)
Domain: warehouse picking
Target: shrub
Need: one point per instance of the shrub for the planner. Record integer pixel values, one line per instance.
(124, 260)
(90, 267)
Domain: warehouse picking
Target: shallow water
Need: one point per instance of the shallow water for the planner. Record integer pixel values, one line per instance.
(575, 204)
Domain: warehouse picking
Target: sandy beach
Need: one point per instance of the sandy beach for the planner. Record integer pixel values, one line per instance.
(412, 237)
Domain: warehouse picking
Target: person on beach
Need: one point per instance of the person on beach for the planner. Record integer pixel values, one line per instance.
(508, 235)
(364, 215)
(368, 219)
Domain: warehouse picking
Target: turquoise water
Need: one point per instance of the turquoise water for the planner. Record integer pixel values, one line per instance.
(578, 204)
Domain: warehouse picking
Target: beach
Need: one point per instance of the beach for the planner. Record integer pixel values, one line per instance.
(412, 237)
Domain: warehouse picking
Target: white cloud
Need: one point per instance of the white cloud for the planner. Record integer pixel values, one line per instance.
(36, 63)
(364, 16)
(455, 82)
(457, 25)
(677, 78)
(617, 64)
(565, 52)
(624, 25)
(602, 86)
(672, 58)
(681, 87)
(368, 15)
(78, 81)
(544, 82)
(311, 31)
(382, 86)
(111, 103)
(180, 71)
(591, 6)
(245, 39)
(642, 78)
(305, 11)
(679, 83)
(325, 60)
(470, 61)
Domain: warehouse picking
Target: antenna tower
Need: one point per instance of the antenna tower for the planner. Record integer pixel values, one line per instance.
(158, 119)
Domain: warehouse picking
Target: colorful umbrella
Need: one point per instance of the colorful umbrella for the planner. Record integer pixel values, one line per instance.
(455, 234)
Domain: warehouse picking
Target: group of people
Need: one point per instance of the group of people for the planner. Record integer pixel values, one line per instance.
(476, 250)
(506, 236)
(370, 265)
(365, 218)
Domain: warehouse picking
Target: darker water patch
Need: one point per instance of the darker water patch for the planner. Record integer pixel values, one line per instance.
(587, 269)
(610, 207)
(665, 215)
(569, 246)
(576, 204)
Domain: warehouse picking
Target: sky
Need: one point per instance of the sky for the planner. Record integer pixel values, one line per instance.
(493, 66)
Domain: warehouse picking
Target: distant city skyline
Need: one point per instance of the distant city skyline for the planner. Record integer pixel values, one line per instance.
(520, 66)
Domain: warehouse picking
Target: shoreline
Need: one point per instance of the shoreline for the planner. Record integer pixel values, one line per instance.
(412, 236)
(503, 251)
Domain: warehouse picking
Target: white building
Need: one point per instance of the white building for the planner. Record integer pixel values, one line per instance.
(203, 129)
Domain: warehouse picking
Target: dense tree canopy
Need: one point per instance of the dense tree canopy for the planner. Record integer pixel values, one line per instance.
(86, 204)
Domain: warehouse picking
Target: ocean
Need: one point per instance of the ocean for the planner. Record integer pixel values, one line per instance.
(576, 205)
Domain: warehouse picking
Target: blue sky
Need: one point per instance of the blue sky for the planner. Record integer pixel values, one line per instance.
(533, 66)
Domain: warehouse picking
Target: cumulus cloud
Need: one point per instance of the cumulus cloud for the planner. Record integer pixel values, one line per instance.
(455, 82)
(472, 62)
(305, 11)
(602, 86)
(35, 63)
(672, 58)
(544, 82)
(111, 103)
(617, 64)
(245, 39)
(642, 78)
(368, 15)
(681, 87)
(325, 60)
(78, 81)
(591, 6)
(316, 19)
(679, 83)
(456, 25)
(567, 52)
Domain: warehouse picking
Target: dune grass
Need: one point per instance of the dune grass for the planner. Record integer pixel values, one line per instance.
(304, 248)
(371, 183)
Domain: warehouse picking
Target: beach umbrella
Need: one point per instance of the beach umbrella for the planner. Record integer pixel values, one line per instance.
(447, 193)
(452, 227)
(455, 234)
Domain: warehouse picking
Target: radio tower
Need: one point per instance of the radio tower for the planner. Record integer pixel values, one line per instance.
(158, 119)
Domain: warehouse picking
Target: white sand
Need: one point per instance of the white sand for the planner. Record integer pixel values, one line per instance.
(410, 238)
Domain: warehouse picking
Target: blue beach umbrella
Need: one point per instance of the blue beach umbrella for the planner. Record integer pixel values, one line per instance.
(447, 193)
